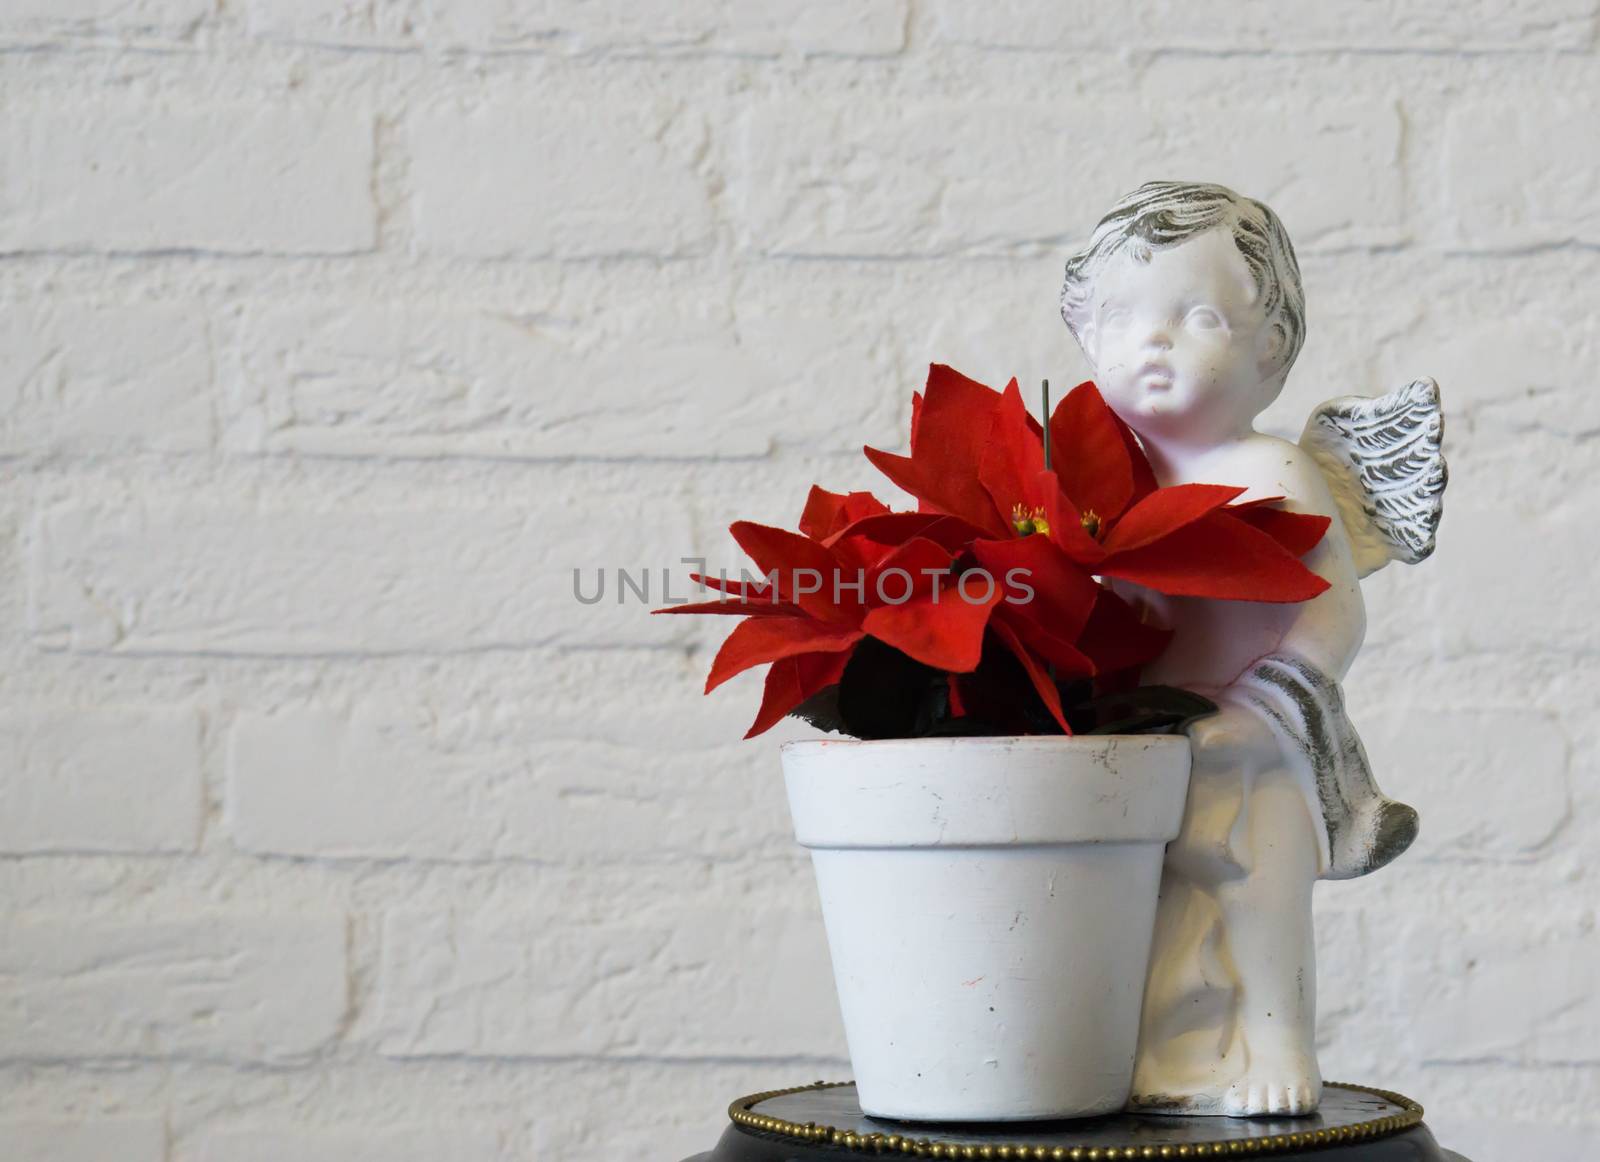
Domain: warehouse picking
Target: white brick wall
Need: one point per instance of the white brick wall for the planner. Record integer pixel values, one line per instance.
(100, 778)
(201, 984)
(334, 334)
(81, 1140)
(88, 378)
(141, 177)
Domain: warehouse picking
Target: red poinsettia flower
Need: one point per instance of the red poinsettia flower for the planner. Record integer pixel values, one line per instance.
(988, 504)
(977, 457)
(822, 594)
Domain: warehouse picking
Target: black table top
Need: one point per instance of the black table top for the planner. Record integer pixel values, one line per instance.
(822, 1121)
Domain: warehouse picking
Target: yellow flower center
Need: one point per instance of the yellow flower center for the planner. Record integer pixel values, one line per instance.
(1027, 521)
(1090, 521)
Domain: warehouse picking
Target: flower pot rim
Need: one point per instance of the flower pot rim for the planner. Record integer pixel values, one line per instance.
(986, 791)
(1089, 741)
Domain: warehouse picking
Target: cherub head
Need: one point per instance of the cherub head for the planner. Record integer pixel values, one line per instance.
(1187, 303)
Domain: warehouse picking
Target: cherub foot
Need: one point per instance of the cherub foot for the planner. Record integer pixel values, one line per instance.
(1175, 1093)
(1281, 1082)
(1175, 1102)
(1273, 1092)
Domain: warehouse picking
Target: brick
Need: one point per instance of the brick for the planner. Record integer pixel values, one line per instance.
(332, 23)
(1520, 992)
(1359, 964)
(481, 190)
(1344, 960)
(95, 1139)
(1505, 372)
(80, 377)
(373, 782)
(296, 581)
(551, 984)
(402, 380)
(210, 985)
(1341, 356)
(1425, 755)
(421, 1142)
(234, 179)
(824, 27)
(1259, 25)
(843, 180)
(100, 779)
(992, 333)
(569, 1124)
(1493, 546)
(694, 27)
(35, 21)
(1537, 192)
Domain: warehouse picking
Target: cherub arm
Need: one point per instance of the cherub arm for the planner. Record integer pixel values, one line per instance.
(1324, 633)
(1382, 483)
(1327, 630)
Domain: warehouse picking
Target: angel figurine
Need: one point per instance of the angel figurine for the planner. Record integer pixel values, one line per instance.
(1187, 302)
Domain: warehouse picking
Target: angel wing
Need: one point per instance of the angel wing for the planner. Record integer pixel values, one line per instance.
(1383, 462)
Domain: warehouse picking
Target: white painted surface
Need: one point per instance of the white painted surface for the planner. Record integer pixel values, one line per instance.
(989, 905)
(259, 308)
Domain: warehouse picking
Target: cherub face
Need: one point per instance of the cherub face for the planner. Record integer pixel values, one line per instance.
(1179, 344)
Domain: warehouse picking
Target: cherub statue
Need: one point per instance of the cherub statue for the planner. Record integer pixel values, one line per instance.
(1187, 302)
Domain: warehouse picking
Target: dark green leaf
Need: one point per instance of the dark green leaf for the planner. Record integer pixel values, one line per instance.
(1147, 710)
(821, 710)
(885, 694)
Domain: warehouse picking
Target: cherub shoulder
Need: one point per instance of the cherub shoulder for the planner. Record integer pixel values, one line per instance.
(1268, 466)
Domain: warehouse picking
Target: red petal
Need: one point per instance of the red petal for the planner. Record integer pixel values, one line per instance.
(1218, 556)
(789, 554)
(1258, 502)
(1042, 682)
(1067, 658)
(767, 639)
(951, 429)
(1013, 456)
(896, 528)
(748, 589)
(950, 487)
(828, 512)
(1066, 527)
(946, 388)
(1088, 454)
(912, 558)
(746, 597)
(742, 608)
(1117, 638)
(779, 549)
(856, 555)
(1165, 511)
(791, 681)
(1063, 592)
(1297, 532)
(1144, 477)
(944, 632)
(958, 708)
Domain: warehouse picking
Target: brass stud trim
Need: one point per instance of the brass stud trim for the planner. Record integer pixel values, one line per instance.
(739, 1112)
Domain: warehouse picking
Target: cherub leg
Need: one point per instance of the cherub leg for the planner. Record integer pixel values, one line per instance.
(1267, 916)
(1189, 1052)
(1186, 1058)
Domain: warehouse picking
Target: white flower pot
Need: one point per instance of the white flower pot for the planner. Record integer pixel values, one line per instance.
(989, 904)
